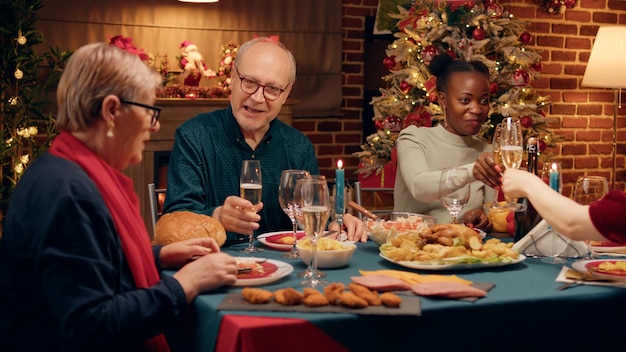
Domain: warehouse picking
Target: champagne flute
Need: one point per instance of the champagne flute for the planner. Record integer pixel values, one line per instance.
(454, 190)
(308, 272)
(497, 158)
(314, 201)
(251, 188)
(587, 190)
(286, 188)
(511, 149)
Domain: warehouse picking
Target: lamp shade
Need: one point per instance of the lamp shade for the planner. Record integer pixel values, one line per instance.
(199, 1)
(607, 63)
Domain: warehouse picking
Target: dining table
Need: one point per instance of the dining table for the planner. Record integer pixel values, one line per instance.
(525, 310)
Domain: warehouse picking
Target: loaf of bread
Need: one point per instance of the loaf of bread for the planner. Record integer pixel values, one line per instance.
(182, 225)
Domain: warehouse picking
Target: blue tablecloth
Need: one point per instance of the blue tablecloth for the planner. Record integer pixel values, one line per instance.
(524, 310)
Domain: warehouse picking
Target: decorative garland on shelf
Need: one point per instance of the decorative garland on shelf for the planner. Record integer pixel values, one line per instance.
(556, 6)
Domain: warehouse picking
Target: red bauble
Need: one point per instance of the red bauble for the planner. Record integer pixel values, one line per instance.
(478, 34)
(378, 124)
(451, 53)
(389, 62)
(405, 87)
(429, 52)
(520, 78)
(525, 37)
(393, 123)
(432, 97)
(537, 66)
(493, 88)
(493, 10)
(526, 121)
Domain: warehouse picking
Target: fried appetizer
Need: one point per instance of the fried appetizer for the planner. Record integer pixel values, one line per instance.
(350, 300)
(332, 292)
(371, 297)
(288, 296)
(256, 295)
(390, 299)
(314, 298)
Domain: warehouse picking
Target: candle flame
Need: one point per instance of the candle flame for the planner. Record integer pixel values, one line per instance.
(554, 167)
(339, 164)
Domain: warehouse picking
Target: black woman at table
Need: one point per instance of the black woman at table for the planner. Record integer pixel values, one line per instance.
(203, 171)
(77, 271)
(602, 220)
(463, 93)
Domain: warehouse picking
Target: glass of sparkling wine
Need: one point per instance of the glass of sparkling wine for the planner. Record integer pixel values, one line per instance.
(286, 188)
(314, 200)
(511, 147)
(251, 188)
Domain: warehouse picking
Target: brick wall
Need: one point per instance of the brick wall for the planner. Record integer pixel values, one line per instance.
(583, 117)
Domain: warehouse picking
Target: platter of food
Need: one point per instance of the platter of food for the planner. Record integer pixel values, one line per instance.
(456, 263)
(610, 269)
(281, 240)
(260, 271)
(607, 247)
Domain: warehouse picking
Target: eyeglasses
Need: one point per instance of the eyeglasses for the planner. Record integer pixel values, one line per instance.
(249, 86)
(156, 110)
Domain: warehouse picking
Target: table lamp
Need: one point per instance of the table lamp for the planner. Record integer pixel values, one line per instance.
(607, 69)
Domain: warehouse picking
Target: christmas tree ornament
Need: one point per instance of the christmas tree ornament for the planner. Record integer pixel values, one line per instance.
(525, 38)
(493, 88)
(19, 74)
(393, 124)
(520, 78)
(526, 121)
(478, 34)
(389, 62)
(405, 87)
(537, 66)
(493, 9)
(429, 52)
(21, 40)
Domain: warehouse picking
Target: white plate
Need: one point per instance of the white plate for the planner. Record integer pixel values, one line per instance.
(454, 266)
(582, 266)
(281, 247)
(283, 269)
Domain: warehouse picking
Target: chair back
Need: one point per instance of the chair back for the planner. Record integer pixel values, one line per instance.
(378, 200)
(157, 198)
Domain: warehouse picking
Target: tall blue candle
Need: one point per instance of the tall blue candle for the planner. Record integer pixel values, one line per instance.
(339, 187)
(555, 177)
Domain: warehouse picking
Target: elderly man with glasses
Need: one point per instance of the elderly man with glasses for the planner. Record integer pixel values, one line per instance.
(205, 161)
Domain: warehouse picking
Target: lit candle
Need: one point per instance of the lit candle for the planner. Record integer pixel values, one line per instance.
(339, 187)
(555, 177)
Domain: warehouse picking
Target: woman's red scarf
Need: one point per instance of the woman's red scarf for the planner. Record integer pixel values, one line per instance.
(119, 195)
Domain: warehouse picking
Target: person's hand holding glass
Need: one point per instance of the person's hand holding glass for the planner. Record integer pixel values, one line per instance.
(314, 200)
(251, 188)
(286, 190)
(454, 190)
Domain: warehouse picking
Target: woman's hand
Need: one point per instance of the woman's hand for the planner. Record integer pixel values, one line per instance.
(355, 228)
(207, 273)
(478, 219)
(177, 254)
(486, 170)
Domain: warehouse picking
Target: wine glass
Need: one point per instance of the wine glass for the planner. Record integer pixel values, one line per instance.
(511, 149)
(286, 188)
(314, 201)
(454, 190)
(587, 190)
(251, 188)
(308, 272)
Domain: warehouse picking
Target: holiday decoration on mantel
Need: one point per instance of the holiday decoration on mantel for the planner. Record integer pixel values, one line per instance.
(192, 63)
(556, 6)
(467, 30)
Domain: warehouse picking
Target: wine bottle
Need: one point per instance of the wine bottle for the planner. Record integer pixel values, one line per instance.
(527, 217)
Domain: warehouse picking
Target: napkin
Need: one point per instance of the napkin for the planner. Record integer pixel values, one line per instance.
(568, 275)
(541, 239)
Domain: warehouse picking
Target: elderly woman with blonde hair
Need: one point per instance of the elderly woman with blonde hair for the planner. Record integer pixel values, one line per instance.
(77, 270)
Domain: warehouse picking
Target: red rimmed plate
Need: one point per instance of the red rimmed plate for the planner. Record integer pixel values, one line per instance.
(272, 239)
(607, 247)
(592, 266)
(264, 271)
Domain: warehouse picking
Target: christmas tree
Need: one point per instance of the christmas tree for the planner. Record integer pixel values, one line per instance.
(467, 30)
(26, 85)
(227, 60)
